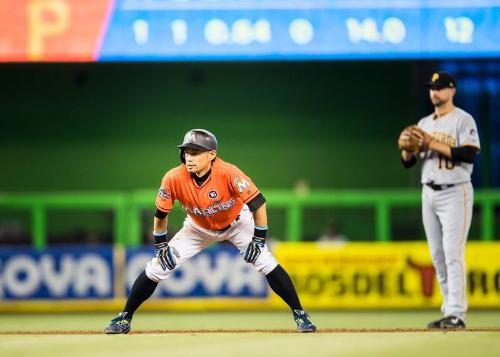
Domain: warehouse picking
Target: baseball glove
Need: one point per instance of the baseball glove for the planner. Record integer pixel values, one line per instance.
(409, 141)
(423, 138)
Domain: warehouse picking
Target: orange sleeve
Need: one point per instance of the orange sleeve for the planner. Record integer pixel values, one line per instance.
(165, 199)
(241, 185)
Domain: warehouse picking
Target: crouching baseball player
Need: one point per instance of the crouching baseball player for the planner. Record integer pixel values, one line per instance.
(221, 203)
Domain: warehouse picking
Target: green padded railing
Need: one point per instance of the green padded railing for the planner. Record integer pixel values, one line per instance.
(127, 207)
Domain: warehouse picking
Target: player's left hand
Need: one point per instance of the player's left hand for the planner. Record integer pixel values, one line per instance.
(253, 249)
(165, 256)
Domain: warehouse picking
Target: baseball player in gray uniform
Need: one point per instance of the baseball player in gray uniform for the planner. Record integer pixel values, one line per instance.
(447, 143)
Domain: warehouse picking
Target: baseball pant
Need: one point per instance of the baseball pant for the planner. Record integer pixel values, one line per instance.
(447, 216)
(192, 239)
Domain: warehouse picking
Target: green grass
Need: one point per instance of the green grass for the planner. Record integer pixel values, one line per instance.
(420, 344)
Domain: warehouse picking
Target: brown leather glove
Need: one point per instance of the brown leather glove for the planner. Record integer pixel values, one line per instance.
(407, 141)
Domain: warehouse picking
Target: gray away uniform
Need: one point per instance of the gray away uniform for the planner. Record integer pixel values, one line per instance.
(447, 210)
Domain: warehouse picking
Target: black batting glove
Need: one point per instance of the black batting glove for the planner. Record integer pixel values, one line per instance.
(164, 252)
(254, 248)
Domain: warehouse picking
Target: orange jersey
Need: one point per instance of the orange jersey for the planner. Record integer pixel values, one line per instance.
(214, 204)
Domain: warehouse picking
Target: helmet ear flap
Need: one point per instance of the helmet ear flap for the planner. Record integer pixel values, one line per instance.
(183, 158)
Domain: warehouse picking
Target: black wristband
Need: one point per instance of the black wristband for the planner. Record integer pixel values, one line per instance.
(160, 214)
(256, 202)
(260, 232)
(409, 163)
(162, 238)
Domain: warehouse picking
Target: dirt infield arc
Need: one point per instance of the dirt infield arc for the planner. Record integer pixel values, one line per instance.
(278, 331)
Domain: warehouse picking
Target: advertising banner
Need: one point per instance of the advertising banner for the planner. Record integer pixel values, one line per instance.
(392, 275)
(350, 276)
(56, 273)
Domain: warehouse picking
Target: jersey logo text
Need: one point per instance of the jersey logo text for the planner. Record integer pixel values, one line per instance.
(210, 211)
(444, 138)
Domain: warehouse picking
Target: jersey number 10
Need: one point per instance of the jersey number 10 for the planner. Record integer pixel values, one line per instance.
(448, 163)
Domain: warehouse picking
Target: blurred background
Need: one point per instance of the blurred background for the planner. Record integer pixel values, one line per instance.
(306, 97)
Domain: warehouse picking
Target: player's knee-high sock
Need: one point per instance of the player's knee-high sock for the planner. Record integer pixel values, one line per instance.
(282, 285)
(142, 289)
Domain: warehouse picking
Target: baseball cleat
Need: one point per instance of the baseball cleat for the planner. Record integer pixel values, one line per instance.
(118, 325)
(435, 324)
(304, 323)
(448, 322)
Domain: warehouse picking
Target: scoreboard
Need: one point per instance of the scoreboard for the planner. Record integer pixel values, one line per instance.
(191, 30)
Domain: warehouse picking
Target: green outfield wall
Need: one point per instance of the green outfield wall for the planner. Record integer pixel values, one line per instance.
(128, 228)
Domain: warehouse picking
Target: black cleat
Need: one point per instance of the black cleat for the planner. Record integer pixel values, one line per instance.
(304, 323)
(119, 325)
(448, 322)
(435, 324)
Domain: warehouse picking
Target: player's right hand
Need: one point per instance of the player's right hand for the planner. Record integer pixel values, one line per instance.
(423, 138)
(165, 256)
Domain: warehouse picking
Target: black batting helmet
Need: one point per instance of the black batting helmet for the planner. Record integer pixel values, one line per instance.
(199, 139)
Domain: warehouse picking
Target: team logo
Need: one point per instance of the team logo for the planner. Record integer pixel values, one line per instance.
(472, 132)
(164, 194)
(435, 77)
(192, 137)
(240, 184)
(212, 194)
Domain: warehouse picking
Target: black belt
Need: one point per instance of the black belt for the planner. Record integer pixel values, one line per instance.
(229, 225)
(439, 187)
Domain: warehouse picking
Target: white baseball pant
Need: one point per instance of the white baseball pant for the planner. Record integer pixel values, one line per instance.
(447, 216)
(192, 239)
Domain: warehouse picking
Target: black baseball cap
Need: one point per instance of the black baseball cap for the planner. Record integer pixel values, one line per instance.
(440, 80)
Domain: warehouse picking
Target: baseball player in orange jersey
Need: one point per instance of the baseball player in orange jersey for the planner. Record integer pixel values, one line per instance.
(221, 203)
